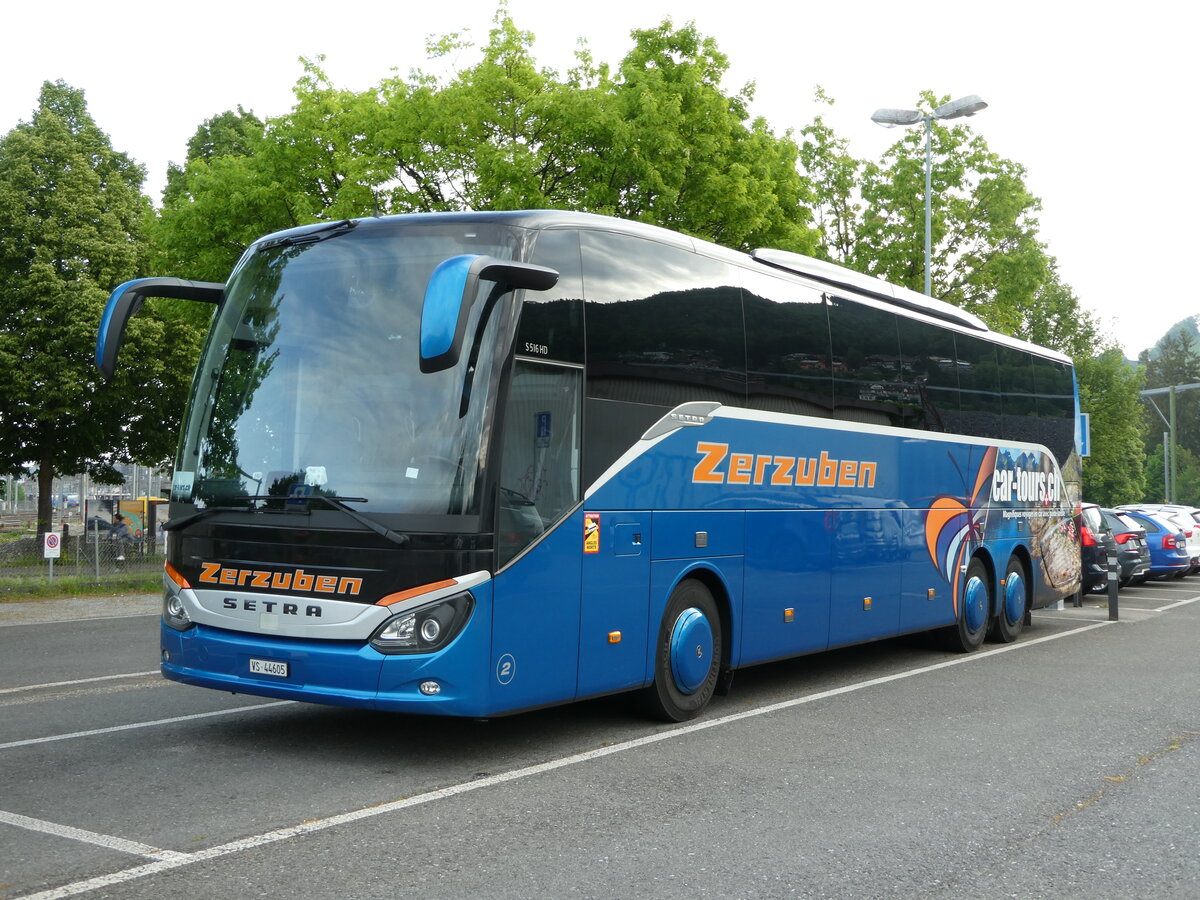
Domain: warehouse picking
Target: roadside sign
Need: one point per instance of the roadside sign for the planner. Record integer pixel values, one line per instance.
(51, 545)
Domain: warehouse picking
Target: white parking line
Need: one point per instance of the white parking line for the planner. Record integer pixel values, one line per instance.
(1177, 604)
(88, 837)
(315, 825)
(135, 725)
(57, 684)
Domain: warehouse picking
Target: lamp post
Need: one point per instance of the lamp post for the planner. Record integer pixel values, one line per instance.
(890, 118)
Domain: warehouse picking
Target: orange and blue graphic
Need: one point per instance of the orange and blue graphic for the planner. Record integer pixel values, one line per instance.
(954, 525)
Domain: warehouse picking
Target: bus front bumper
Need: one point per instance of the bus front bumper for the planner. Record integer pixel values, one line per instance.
(336, 673)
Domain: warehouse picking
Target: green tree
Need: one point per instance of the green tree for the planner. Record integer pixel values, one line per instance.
(1174, 362)
(659, 141)
(986, 256)
(71, 213)
(834, 177)
(226, 134)
(1187, 477)
(1108, 392)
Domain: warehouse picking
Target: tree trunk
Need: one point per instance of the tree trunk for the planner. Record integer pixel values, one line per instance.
(45, 507)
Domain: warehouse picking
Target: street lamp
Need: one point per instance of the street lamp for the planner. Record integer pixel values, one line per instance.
(890, 118)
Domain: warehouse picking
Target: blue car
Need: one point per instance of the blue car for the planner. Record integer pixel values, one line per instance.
(1169, 557)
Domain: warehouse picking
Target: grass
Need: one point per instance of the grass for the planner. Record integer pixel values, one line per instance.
(22, 590)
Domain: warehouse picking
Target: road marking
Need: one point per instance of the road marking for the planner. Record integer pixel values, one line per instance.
(135, 725)
(78, 619)
(314, 825)
(58, 684)
(1177, 604)
(88, 837)
(1125, 610)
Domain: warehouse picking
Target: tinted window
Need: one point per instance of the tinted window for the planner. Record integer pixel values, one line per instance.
(979, 387)
(664, 325)
(866, 364)
(929, 373)
(1055, 388)
(551, 324)
(1020, 396)
(787, 346)
(539, 457)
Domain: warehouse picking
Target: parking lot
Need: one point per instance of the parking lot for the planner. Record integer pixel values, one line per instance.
(1066, 763)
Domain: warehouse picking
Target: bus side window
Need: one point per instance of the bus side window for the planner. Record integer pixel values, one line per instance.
(929, 376)
(979, 384)
(551, 325)
(866, 363)
(664, 327)
(540, 453)
(787, 347)
(1055, 405)
(1020, 396)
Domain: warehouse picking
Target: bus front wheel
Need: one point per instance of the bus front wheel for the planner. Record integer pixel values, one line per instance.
(687, 657)
(974, 610)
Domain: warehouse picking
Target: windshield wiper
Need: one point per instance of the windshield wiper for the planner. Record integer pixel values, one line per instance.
(324, 232)
(382, 530)
(338, 503)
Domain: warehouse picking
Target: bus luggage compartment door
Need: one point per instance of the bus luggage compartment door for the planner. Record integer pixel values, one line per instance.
(612, 626)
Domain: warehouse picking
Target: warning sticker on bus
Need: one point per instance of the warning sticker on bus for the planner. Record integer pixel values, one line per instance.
(591, 532)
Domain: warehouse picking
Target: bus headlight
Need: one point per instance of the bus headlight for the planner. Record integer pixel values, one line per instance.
(174, 612)
(426, 628)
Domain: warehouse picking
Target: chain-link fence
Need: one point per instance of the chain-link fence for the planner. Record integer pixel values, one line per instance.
(92, 555)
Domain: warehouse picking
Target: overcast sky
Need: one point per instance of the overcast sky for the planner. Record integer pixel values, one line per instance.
(1090, 97)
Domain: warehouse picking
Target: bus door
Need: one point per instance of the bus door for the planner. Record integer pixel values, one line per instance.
(535, 619)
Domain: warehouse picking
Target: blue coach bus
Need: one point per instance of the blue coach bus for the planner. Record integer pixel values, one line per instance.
(478, 463)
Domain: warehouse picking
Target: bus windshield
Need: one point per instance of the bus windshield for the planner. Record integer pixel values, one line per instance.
(311, 383)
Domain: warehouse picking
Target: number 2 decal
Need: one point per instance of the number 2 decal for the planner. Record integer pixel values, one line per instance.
(506, 668)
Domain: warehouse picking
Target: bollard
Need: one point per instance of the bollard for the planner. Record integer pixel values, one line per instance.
(1114, 569)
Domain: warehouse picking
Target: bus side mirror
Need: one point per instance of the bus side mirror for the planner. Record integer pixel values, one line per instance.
(127, 299)
(448, 298)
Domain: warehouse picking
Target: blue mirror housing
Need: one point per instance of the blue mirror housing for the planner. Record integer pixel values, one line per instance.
(127, 299)
(449, 294)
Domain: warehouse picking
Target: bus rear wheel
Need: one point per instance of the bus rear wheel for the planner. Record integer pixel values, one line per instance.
(974, 609)
(1010, 617)
(687, 657)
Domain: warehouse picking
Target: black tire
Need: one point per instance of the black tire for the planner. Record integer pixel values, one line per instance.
(687, 657)
(1011, 605)
(974, 610)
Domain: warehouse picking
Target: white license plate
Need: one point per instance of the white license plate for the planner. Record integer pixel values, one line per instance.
(268, 667)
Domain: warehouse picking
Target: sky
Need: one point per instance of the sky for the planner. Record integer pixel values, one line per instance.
(1086, 96)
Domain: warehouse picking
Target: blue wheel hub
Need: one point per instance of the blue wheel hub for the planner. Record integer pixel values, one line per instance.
(691, 650)
(1014, 598)
(975, 604)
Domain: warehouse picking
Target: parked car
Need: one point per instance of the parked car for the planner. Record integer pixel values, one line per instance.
(1168, 546)
(1133, 553)
(1096, 544)
(1184, 517)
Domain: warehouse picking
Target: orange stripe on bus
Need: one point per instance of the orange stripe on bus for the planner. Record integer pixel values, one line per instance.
(392, 599)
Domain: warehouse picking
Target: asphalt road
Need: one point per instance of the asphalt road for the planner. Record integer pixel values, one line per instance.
(1065, 765)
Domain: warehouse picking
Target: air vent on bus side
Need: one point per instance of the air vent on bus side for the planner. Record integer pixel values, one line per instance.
(839, 276)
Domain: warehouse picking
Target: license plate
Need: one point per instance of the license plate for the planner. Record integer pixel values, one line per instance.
(268, 667)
